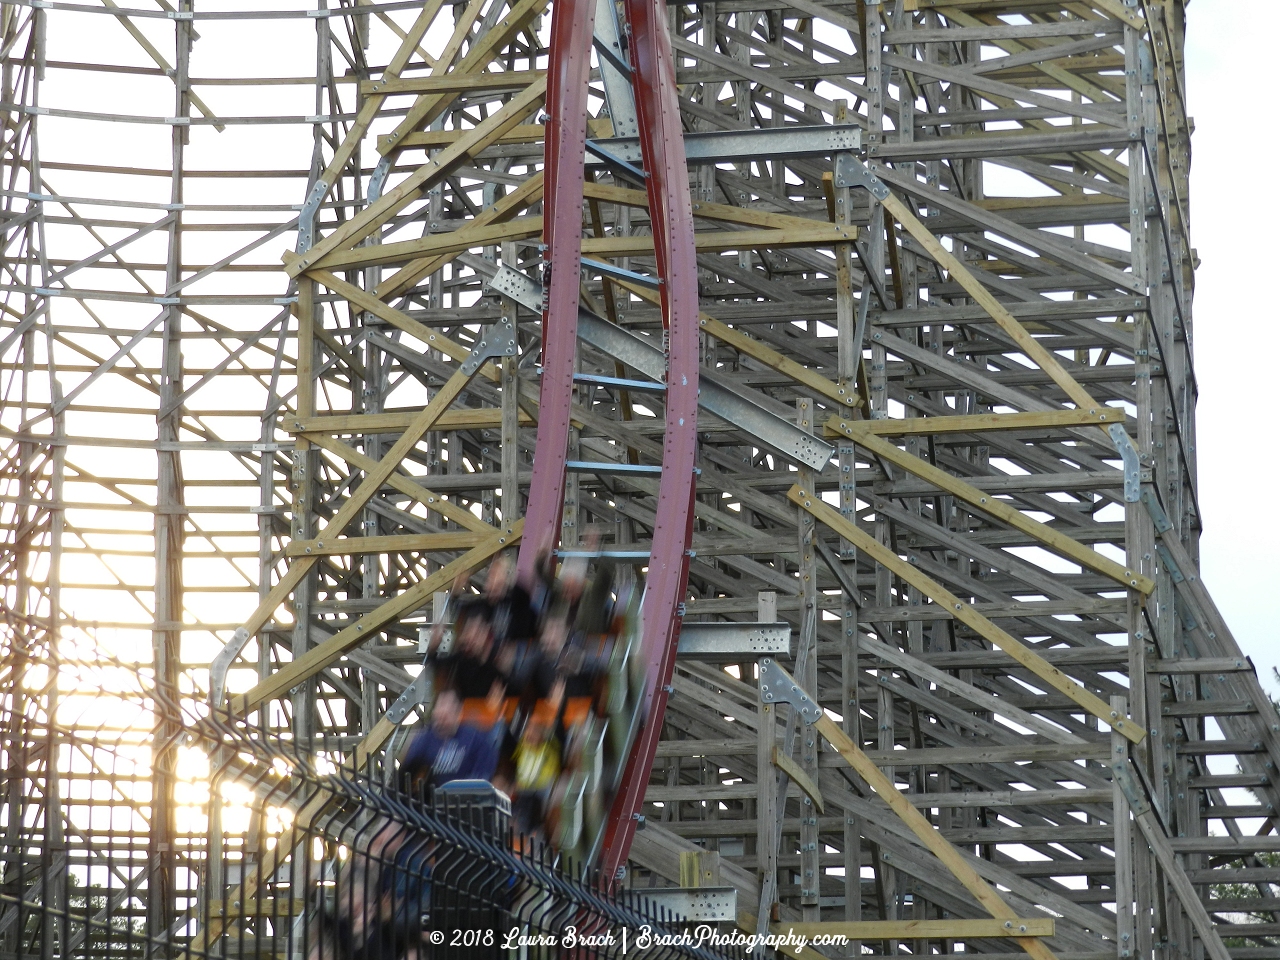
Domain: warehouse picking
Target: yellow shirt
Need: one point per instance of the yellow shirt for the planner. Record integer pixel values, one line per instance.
(537, 764)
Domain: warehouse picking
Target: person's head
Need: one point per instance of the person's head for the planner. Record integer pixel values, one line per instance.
(474, 630)
(573, 576)
(446, 714)
(536, 728)
(501, 576)
(554, 634)
(546, 565)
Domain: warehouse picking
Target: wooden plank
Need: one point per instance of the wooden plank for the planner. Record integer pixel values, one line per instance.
(1052, 539)
(400, 543)
(453, 82)
(972, 423)
(255, 907)
(927, 834)
(468, 418)
(366, 628)
(443, 244)
(965, 613)
(524, 133)
(955, 929)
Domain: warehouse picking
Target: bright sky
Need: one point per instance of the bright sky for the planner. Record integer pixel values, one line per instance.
(1236, 333)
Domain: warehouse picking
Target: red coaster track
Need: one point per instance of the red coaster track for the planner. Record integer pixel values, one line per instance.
(667, 184)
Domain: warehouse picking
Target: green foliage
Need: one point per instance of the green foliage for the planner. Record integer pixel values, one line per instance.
(1245, 891)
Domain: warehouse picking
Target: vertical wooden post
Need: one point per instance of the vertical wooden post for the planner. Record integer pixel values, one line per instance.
(810, 869)
(1123, 848)
(510, 385)
(766, 805)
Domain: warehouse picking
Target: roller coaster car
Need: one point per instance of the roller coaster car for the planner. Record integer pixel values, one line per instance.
(596, 730)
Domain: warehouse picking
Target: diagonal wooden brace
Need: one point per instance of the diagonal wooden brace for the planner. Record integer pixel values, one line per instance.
(499, 341)
(320, 656)
(964, 612)
(1054, 540)
(776, 685)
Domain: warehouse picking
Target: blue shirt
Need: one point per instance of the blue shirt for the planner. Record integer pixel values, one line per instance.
(470, 754)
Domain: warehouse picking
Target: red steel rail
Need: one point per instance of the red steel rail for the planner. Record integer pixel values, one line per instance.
(568, 73)
(671, 213)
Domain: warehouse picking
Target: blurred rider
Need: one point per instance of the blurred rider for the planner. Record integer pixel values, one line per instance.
(449, 749)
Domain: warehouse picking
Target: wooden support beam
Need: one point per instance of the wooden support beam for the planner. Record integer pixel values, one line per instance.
(809, 233)
(801, 779)
(965, 613)
(972, 423)
(399, 482)
(468, 418)
(846, 396)
(453, 82)
(1052, 539)
(482, 53)
(927, 834)
(954, 929)
(369, 109)
(323, 654)
(367, 221)
(366, 301)
(1031, 347)
(528, 193)
(401, 543)
(361, 495)
(445, 244)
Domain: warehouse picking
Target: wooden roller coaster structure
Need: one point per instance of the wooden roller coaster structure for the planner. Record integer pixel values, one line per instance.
(863, 330)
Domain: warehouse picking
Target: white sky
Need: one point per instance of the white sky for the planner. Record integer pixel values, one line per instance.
(1236, 334)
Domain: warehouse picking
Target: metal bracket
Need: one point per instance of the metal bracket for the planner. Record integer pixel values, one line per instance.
(1146, 63)
(1167, 559)
(1158, 517)
(1129, 787)
(1132, 462)
(704, 904)
(419, 691)
(620, 167)
(619, 273)
(378, 179)
(511, 283)
(778, 686)
(733, 642)
(737, 146)
(773, 431)
(221, 664)
(307, 216)
(852, 172)
(498, 340)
